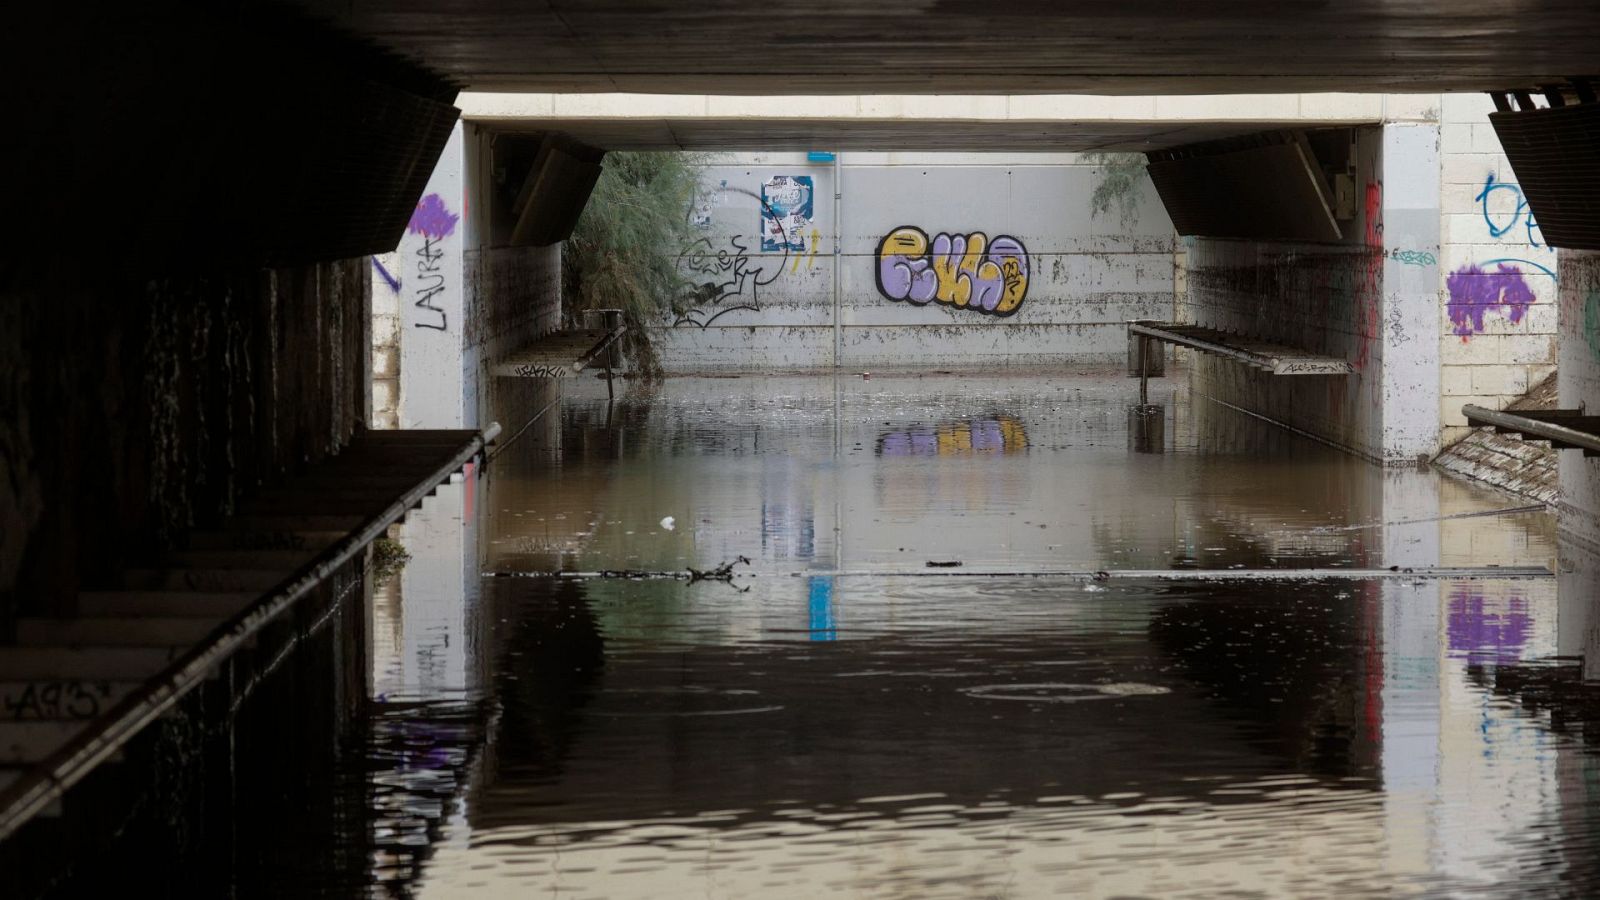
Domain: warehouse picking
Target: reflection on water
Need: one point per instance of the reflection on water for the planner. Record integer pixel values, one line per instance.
(986, 434)
(892, 732)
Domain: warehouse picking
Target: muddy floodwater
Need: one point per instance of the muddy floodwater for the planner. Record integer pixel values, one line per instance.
(845, 719)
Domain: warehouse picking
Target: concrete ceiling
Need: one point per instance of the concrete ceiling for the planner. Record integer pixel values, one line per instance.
(983, 46)
(905, 135)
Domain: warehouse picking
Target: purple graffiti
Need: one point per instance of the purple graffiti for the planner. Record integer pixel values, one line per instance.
(1484, 633)
(390, 280)
(1474, 292)
(967, 271)
(432, 218)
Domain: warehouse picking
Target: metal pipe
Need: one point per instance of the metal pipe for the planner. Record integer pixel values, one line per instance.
(1535, 428)
(102, 737)
(1144, 372)
(1277, 365)
(838, 334)
(1420, 573)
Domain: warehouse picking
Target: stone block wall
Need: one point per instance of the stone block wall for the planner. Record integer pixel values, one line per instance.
(1498, 276)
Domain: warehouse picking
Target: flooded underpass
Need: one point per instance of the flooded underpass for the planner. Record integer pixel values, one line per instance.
(979, 641)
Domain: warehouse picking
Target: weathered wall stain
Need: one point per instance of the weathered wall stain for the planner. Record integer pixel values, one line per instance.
(965, 271)
(1372, 287)
(164, 408)
(1475, 292)
(1591, 323)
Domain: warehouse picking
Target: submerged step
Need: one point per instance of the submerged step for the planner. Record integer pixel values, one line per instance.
(82, 664)
(164, 604)
(115, 631)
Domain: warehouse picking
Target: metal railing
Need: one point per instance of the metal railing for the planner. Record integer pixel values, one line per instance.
(104, 736)
(1565, 429)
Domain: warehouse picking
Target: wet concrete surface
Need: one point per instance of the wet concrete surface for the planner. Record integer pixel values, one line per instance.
(841, 719)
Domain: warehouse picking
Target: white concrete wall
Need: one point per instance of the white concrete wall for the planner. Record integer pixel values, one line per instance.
(1409, 315)
(1497, 275)
(1085, 275)
(431, 269)
(447, 306)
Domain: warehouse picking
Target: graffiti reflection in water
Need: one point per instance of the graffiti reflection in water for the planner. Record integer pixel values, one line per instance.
(990, 434)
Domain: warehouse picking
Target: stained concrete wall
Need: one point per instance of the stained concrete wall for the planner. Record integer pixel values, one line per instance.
(448, 304)
(1324, 298)
(132, 409)
(769, 304)
(1356, 299)
(213, 334)
(1498, 276)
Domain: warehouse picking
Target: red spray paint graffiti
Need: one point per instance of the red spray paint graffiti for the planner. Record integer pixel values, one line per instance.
(1372, 284)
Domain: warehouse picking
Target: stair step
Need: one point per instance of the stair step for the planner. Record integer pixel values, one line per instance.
(207, 580)
(83, 664)
(164, 604)
(292, 523)
(114, 632)
(318, 504)
(259, 560)
(10, 774)
(59, 699)
(28, 743)
(304, 541)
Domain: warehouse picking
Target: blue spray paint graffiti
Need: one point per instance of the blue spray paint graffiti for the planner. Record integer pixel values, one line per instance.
(1520, 213)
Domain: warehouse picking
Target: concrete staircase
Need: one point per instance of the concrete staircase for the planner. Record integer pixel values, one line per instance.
(64, 674)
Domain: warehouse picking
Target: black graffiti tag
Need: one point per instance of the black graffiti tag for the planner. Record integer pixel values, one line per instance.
(57, 700)
(431, 282)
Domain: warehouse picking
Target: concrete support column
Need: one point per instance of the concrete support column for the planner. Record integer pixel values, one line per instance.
(427, 277)
(1410, 300)
(1578, 385)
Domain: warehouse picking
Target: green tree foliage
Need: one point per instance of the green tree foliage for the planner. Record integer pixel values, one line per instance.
(624, 252)
(1120, 174)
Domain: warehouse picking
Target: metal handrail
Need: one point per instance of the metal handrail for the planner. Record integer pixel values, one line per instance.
(1302, 363)
(1540, 429)
(102, 737)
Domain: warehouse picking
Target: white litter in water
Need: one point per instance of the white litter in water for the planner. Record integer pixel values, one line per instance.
(667, 523)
